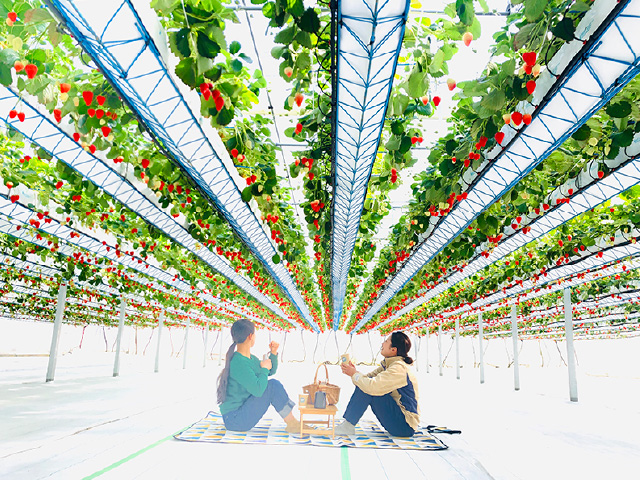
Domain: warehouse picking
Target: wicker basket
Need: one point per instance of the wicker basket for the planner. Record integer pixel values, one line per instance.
(332, 391)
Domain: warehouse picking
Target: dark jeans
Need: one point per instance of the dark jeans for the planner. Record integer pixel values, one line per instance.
(385, 409)
(249, 414)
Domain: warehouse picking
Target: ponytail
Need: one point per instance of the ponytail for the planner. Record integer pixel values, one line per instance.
(223, 379)
(240, 330)
(402, 344)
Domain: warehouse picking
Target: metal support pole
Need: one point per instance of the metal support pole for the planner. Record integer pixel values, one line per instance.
(206, 343)
(417, 344)
(568, 331)
(440, 348)
(480, 345)
(116, 363)
(160, 325)
(220, 355)
(55, 339)
(186, 343)
(426, 350)
(457, 348)
(514, 334)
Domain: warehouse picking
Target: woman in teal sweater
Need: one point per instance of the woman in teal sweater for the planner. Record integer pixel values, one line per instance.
(244, 391)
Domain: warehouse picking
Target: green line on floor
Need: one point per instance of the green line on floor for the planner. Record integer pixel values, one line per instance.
(130, 457)
(344, 463)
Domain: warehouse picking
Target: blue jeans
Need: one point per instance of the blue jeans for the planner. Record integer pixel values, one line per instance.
(385, 409)
(249, 414)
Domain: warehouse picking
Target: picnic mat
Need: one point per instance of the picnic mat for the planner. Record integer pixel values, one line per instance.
(267, 432)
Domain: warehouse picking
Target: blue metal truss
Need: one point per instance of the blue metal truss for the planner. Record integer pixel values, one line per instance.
(15, 214)
(118, 41)
(39, 129)
(592, 196)
(369, 42)
(604, 65)
(558, 278)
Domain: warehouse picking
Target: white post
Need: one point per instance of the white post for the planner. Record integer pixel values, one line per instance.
(55, 339)
(481, 351)
(458, 348)
(186, 343)
(116, 363)
(206, 342)
(568, 331)
(160, 325)
(440, 348)
(417, 345)
(514, 334)
(220, 355)
(426, 350)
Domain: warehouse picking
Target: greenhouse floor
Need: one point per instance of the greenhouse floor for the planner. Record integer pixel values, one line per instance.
(89, 424)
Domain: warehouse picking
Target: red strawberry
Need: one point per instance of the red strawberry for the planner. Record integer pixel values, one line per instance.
(106, 131)
(499, 137)
(91, 112)
(311, 175)
(21, 116)
(526, 118)
(528, 69)
(424, 99)
(100, 100)
(87, 96)
(145, 163)
(516, 117)
(59, 185)
(170, 188)
(31, 70)
(560, 242)
(298, 98)
(600, 174)
(92, 149)
(215, 93)
(298, 128)
(531, 86)
(529, 58)
(18, 66)
(14, 198)
(13, 16)
(64, 87)
(219, 103)
(99, 113)
(451, 84)
(234, 152)
(13, 114)
(57, 114)
(76, 137)
(436, 101)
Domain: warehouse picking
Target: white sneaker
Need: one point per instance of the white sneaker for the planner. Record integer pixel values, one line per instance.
(345, 429)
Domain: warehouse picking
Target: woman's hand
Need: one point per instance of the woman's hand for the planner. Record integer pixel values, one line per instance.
(266, 364)
(274, 347)
(348, 368)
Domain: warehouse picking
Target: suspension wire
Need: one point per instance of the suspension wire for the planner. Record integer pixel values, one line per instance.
(284, 342)
(316, 348)
(304, 348)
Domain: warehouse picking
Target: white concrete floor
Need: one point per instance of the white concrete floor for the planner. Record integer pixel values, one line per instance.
(87, 421)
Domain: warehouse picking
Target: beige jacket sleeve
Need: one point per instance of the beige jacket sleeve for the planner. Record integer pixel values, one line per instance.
(394, 377)
(375, 372)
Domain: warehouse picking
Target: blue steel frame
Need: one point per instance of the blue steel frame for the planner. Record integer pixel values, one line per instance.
(39, 129)
(622, 179)
(578, 87)
(584, 271)
(33, 269)
(16, 214)
(129, 58)
(365, 71)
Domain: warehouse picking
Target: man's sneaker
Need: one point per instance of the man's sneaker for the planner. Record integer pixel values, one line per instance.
(345, 428)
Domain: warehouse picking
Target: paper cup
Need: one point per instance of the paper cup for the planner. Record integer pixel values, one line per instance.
(303, 399)
(345, 358)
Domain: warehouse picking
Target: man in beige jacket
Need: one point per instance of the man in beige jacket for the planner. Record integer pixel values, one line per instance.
(391, 391)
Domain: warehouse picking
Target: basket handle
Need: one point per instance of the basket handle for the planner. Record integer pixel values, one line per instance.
(326, 371)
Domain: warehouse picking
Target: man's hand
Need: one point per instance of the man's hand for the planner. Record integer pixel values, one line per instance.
(273, 346)
(266, 364)
(348, 368)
